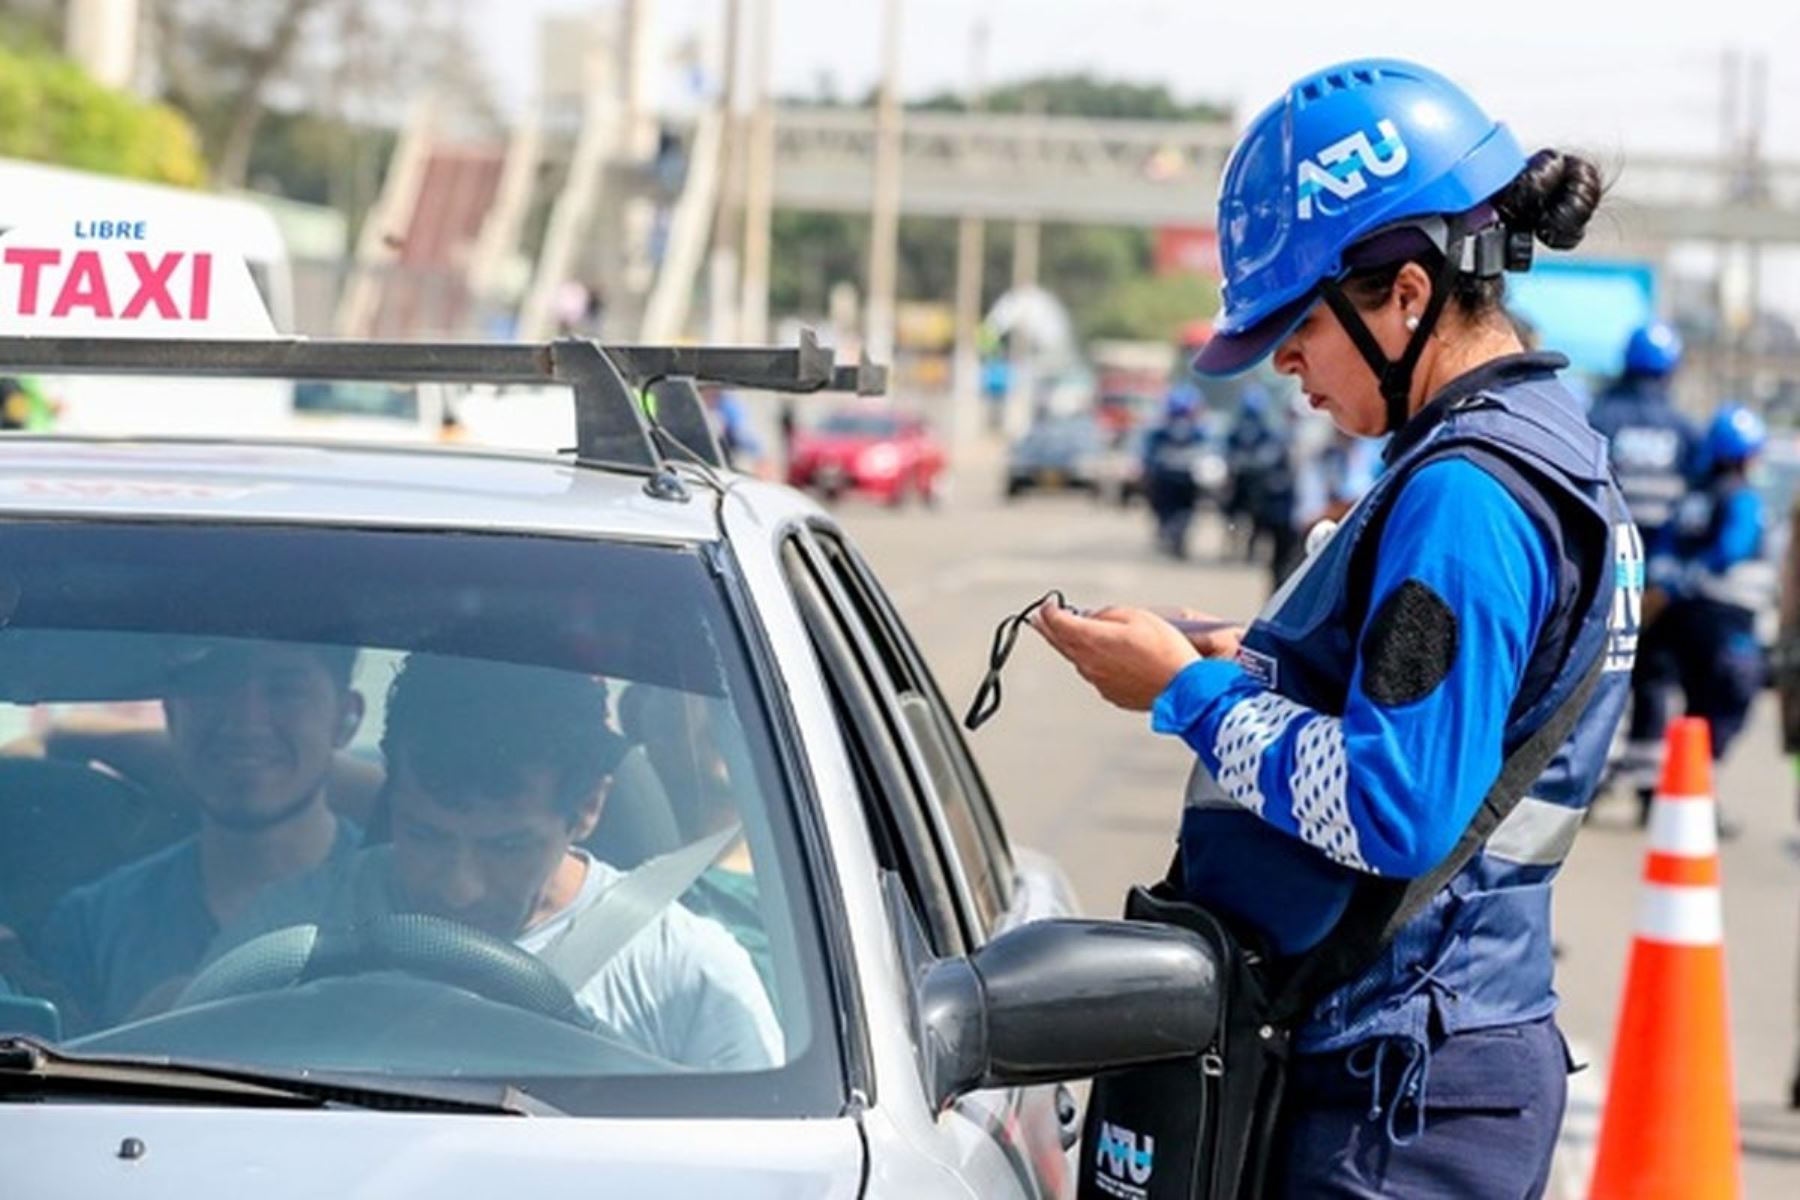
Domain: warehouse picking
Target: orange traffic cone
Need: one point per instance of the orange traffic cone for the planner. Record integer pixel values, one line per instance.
(1670, 1126)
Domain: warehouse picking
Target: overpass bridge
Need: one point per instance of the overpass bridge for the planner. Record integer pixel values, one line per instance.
(1158, 173)
(977, 168)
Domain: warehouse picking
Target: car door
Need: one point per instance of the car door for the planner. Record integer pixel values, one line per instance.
(958, 856)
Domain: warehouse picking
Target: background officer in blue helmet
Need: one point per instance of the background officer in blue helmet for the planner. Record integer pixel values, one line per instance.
(1263, 480)
(1169, 454)
(1723, 582)
(1416, 721)
(1656, 455)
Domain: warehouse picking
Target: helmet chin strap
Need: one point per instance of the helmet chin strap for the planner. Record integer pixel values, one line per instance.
(1395, 376)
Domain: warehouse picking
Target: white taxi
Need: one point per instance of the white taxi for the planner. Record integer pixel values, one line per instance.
(443, 821)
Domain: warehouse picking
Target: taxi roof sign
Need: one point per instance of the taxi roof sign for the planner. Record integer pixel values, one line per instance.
(124, 276)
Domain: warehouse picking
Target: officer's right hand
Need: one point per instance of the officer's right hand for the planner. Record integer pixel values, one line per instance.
(1129, 655)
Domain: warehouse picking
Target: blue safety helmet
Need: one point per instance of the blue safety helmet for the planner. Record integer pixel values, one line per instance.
(1358, 149)
(1181, 401)
(1735, 434)
(1654, 349)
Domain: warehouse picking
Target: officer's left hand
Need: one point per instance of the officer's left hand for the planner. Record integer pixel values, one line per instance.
(1128, 654)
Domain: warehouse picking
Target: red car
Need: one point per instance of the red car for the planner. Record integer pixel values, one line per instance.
(881, 453)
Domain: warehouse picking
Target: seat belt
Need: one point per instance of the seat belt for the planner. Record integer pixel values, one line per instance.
(595, 935)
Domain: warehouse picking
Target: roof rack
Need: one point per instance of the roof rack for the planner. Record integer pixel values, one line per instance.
(611, 428)
(864, 379)
(676, 408)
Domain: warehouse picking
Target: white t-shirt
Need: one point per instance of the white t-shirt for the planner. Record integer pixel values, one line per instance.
(683, 988)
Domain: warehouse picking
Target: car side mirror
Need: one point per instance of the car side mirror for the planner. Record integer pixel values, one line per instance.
(1064, 999)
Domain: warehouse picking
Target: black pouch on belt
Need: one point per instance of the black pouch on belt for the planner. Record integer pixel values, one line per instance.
(1197, 1129)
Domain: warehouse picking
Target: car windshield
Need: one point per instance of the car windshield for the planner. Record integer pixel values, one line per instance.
(419, 805)
(861, 425)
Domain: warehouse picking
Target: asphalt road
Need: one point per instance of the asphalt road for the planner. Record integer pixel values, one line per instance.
(1094, 787)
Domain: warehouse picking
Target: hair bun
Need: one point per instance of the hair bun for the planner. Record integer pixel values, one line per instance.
(1554, 197)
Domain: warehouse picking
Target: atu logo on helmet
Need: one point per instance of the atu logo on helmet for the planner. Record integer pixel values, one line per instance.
(1339, 167)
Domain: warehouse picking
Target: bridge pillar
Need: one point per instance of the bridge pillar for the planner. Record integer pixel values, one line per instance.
(1026, 239)
(1022, 378)
(965, 398)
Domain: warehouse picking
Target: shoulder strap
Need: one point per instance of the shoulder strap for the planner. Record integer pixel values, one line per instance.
(1380, 908)
(594, 935)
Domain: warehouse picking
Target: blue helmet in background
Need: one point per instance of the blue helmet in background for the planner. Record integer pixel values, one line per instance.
(1348, 152)
(1654, 349)
(1181, 401)
(1736, 433)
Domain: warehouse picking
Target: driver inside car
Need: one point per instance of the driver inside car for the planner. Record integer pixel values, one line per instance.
(496, 773)
(252, 730)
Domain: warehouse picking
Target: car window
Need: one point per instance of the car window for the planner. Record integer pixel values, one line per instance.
(893, 794)
(421, 770)
(961, 797)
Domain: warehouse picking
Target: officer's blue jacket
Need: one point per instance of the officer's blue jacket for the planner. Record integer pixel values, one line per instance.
(1718, 539)
(1374, 701)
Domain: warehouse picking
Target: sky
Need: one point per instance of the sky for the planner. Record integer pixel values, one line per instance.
(1608, 77)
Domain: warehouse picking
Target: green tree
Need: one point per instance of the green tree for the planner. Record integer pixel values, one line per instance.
(51, 111)
(1082, 95)
(1150, 307)
(332, 67)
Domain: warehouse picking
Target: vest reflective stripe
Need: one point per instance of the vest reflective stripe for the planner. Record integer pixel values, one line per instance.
(1536, 833)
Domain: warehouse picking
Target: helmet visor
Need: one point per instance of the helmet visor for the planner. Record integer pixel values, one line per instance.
(1229, 354)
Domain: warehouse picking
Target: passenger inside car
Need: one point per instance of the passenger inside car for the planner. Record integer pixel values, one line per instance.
(252, 731)
(496, 773)
(683, 741)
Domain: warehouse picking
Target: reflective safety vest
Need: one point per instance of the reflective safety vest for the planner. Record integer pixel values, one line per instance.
(1478, 954)
(1653, 451)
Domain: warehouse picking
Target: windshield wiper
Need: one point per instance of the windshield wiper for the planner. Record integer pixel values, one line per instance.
(31, 1070)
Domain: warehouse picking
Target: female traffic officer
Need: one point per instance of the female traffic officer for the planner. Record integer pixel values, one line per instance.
(1487, 581)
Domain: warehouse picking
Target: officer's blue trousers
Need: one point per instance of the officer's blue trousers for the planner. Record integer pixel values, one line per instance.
(1492, 1108)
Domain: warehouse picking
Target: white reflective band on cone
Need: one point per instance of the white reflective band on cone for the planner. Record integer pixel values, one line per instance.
(1680, 916)
(1684, 827)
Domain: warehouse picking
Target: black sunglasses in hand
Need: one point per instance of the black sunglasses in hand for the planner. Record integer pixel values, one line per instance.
(987, 696)
(1006, 636)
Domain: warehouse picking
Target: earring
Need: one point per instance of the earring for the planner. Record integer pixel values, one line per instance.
(1412, 323)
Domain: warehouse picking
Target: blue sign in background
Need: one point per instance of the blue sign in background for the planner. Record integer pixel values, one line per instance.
(1585, 308)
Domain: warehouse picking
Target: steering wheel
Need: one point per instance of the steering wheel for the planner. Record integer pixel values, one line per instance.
(428, 947)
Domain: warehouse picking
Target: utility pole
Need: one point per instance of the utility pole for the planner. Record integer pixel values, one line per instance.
(971, 261)
(884, 232)
(102, 36)
(1743, 113)
(1730, 88)
(759, 186)
(1755, 185)
(722, 269)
